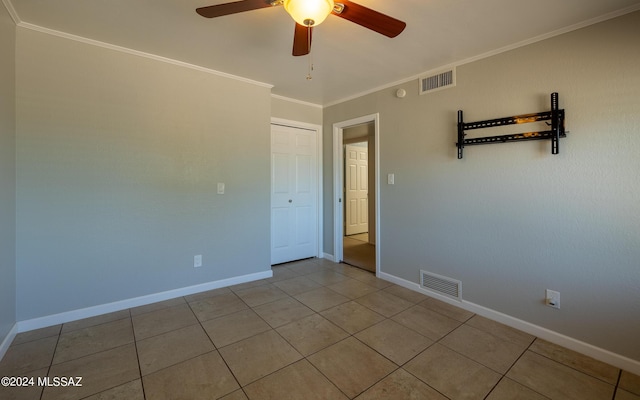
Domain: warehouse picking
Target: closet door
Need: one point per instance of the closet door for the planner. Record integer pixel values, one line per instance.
(293, 194)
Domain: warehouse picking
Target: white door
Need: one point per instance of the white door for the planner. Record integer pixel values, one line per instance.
(356, 189)
(293, 194)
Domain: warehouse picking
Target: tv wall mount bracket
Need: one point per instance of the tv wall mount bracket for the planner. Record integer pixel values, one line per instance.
(555, 116)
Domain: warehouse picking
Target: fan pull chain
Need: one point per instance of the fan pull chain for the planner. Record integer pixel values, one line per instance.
(309, 77)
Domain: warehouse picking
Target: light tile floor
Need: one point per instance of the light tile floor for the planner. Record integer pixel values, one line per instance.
(316, 330)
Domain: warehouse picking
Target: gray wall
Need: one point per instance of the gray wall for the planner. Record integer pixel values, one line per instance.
(118, 161)
(296, 111)
(511, 220)
(7, 174)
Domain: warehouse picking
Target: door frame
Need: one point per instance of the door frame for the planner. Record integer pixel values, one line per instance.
(318, 132)
(338, 183)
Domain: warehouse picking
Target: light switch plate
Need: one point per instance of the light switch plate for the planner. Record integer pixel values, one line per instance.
(220, 188)
(391, 179)
(552, 298)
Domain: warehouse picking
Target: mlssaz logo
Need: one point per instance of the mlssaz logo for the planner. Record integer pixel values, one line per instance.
(60, 381)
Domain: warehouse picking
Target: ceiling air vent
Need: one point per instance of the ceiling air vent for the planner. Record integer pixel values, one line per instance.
(440, 80)
(441, 284)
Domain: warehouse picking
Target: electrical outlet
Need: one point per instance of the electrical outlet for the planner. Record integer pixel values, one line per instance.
(552, 298)
(197, 261)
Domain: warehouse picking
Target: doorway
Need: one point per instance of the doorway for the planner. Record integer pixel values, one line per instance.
(356, 171)
(356, 188)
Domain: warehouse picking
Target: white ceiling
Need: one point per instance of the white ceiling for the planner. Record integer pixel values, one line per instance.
(348, 59)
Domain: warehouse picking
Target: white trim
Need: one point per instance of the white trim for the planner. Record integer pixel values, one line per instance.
(338, 207)
(551, 34)
(338, 174)
(4, 346)
(138, 53)
(298, 124)
(318, 130)
(289, 99)
(492, 53)
(328, 257)
(61, 318)
(587, 349)
(12, 11)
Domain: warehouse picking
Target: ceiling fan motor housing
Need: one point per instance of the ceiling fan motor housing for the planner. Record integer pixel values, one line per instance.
(309, 12)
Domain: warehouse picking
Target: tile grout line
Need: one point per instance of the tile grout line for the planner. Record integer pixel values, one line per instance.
(165, 332)
(352, 335)
(102, 351)
(88, 355)
(438, 342)
(306, 357)
(461, 323)
(52, 357)
(135, 343)
(216, 349)
(515, 362)
(494, 387)
(615, 388)
(573, 368)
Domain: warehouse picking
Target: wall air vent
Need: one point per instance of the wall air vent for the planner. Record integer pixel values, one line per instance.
(440, 80)
(441, 284)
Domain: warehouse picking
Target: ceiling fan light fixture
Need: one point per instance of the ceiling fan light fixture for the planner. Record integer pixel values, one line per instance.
(308, 12)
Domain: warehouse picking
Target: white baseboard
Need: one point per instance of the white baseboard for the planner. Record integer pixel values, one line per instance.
(4, 346)
(328, 257)
(61, 318)
(598, 353)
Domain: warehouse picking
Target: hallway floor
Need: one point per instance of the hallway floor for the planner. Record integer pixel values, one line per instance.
(316, 330)
(357, 251)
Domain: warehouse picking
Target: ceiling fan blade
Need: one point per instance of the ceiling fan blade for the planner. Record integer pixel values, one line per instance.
(371, 19)
(302, 40)
(220, 10)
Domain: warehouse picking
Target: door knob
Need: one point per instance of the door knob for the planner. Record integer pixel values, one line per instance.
(290, 201)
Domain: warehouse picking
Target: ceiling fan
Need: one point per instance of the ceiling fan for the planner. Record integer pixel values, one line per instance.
(310, 13)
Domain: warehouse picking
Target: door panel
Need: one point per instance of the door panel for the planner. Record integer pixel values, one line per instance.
(280, 173)
(280, 221)
(303, 221)
(303, 174)
(352, 215)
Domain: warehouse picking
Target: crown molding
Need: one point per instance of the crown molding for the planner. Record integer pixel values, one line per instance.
(138, 53)
(292, 100)
(16, 18)
(12, 11)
